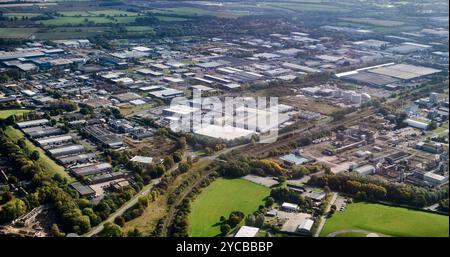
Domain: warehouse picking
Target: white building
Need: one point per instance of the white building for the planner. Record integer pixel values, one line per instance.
(289, 207)
(246, 231)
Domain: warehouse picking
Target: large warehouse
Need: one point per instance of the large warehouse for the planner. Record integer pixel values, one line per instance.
(386, 74)
(224, 132)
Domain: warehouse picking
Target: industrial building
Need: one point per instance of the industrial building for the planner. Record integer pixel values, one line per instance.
(39, 132)
(305, 227)
(103, 136)
(91, 169)
(105, 177)
(417, 124)
(67, 150)
(224, 132)
(54, 140)
(74, 159)
(83, 190)
(289, 207)
(32, 123)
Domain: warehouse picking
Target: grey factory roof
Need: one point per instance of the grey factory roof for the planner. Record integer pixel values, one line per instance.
(76, 158)
(32, 123)
(52, 140)
(66, 149)
(83, 190)
(404, 71)
(91, 169)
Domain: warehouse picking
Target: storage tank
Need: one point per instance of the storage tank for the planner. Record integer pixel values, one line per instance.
(365, 98)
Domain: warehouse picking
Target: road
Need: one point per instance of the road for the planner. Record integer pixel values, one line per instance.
(323, 217)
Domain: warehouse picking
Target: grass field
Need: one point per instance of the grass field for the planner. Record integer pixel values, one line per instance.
(17, 32)
(21, 15)
(70, 32)
(304, 7)
(47, 164)
(442, 130)
(73, 20)
(375, 22)
(221, 198)
(388, 220)
(194, 11)
(352, 234)
(6, 113)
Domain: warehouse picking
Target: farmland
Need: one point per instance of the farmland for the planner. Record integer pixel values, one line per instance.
(221, 198)
(387, 220)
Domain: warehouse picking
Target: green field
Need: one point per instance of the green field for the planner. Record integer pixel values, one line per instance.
(304, 7)
(221, 198)
(442, 130)
(47, 164)
(6, 113)
(375, 22)
(388, 220)
(75, 20)
(352, 234)
(16, 32)
(194, 11)
(21, 15)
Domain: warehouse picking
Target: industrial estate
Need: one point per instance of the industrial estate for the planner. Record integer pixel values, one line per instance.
(93, 96)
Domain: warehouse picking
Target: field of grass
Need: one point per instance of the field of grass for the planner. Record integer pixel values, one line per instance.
(6, 113)
(304, 7)
(375, 22)
(388, 220)
(352, 234)
(442, 130)
(17, 32)
(74, 20)
(194, 11)
(221, 198)
(21, 15)
(47, 164)
(70, 32)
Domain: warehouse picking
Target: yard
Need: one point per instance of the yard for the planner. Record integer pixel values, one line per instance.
(387, 220)
(221, 198)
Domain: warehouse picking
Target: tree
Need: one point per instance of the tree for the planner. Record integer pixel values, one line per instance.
(235, 218)
(55, 232)
(168, 162)
(259, 221)
(250, 220)
(432, 125)
(119, 220)
(21, 143)
(225, 229)
(111, 230)
(135, 233)
(269, 202)
(12, 210)
(35, 155)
